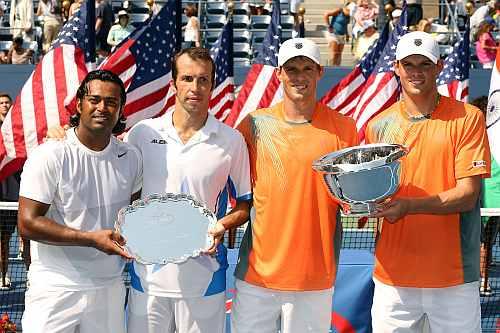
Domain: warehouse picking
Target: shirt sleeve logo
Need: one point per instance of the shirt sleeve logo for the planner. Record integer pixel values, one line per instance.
(478, 164)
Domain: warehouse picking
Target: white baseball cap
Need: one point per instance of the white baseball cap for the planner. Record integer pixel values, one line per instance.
(297, 47)
(418, 42)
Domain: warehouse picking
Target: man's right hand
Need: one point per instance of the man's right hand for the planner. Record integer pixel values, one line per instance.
(56, 132)
(110, 242)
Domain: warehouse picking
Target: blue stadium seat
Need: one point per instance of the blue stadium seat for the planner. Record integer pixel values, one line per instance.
(258, 37)
(241, 62)
(260, 21)
(216, 8)
(210, 36)
(137, 19)
(284, 7)
(286, 22)
(214, 21)
(286, 35)
(241, 8)
(241, 36)
(241, 22)
(241, 50)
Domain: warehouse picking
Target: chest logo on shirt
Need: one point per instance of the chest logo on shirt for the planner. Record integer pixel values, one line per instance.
(159, 141)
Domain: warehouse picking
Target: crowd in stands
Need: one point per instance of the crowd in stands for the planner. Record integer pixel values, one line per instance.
(28, 27)
(357, 20)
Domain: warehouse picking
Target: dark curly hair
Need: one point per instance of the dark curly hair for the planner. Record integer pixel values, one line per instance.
(105, 76)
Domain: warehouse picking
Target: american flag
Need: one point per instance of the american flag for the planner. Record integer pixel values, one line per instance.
(143, 62)
(261, 88)
(372, 86)
(47, 98)
(222, 97)
(453, 81)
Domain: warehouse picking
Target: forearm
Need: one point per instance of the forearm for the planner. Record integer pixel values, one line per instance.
(452, 201)
(238, 216)
(45, 230)
(98, 23)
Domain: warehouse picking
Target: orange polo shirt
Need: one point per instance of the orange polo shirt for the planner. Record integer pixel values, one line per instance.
(424, 250)
(294, 241)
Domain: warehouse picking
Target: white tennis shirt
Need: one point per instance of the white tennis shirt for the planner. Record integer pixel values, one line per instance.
(211, 164)
(85, 190)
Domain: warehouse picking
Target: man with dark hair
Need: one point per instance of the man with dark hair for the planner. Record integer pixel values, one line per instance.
(5, 104)
(71, 191)
(189, 151)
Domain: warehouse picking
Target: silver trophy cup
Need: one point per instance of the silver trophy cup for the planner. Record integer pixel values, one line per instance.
(359, 177)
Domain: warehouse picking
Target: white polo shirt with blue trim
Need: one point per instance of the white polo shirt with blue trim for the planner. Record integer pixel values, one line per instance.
(211, 166)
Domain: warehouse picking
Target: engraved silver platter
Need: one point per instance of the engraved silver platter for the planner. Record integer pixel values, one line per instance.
(358, 177)
(165, 228)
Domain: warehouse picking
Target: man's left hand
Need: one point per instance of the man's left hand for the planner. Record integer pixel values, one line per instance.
(217, 232)
(393, 210)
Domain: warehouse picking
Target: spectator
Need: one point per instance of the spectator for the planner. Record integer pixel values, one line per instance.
(480, 16)
(5, 104)
(414, 11)
(4, 59)
(337, 32)
(365, 40)
(49, 12)
(18, 55)
(366, 10)
(394, 16)
(490, 198)
(486, 47)
(120, 31)
(294, 11)
(3, 8)
(9, 191)
(104, 19)
(192, 29)
(256, 7)
(424, 25)
(74, 7)
(21, 19)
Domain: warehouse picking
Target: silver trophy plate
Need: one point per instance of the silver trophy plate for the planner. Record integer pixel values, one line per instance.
(167, 228)
(359, 177)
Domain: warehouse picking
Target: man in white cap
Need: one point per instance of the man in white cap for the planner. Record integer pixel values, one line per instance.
(289, 254)
(427, 256)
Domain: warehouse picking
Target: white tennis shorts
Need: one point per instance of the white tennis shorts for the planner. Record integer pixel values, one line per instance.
(99, 310)
(154, 314)
(257, 309)
(416, 310)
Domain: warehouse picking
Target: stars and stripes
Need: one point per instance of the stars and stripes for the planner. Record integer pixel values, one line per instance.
(143, 62)
(453, 81)
(261, 88)
(222, 97)
(369, 90)
(344, 96)
(47, 99)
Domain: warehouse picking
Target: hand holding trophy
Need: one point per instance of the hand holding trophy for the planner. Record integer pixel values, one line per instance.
(360, 177)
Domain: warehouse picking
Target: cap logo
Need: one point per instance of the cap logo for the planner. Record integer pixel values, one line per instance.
(418, 42)
(298, 46)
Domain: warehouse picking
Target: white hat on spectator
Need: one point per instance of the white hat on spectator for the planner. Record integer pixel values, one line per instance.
(396, 13)
(122, 13)
(368, 24)
(297, 47)
(418, 42)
